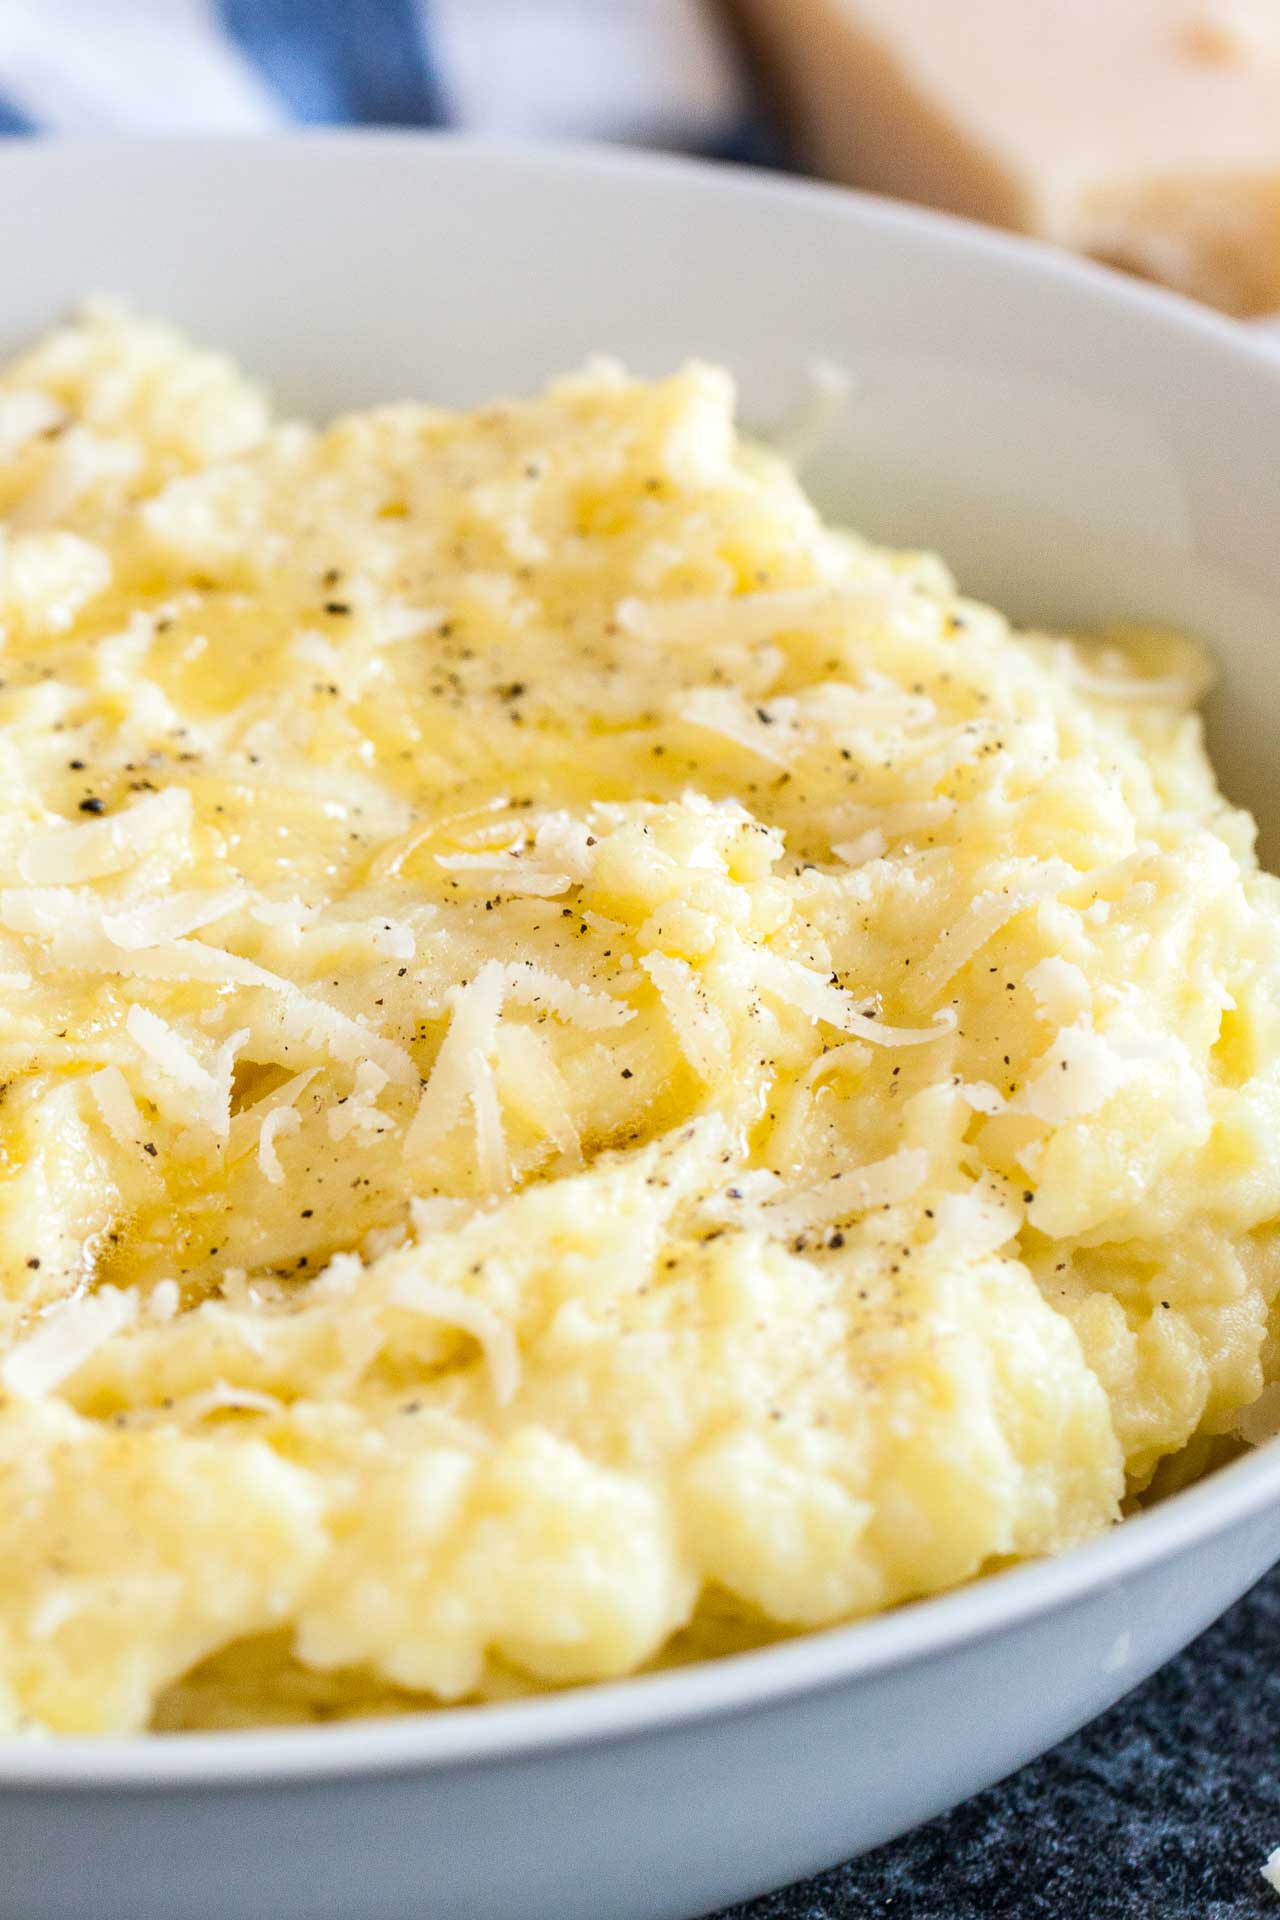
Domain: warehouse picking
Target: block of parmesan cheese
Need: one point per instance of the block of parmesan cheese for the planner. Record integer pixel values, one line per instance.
(1143, 132)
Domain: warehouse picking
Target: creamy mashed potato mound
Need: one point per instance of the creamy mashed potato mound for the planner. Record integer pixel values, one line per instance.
(591, 1071)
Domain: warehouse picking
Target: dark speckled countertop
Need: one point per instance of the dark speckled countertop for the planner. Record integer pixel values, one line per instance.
(1164, 1809)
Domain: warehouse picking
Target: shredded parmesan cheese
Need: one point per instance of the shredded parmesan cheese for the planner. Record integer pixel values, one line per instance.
(359, 1112)
(245, 1129)
(799, 986)
(48, 911)
(1172, 690)
(974, 1224)
(463, 1077)
(164, 1300)
(982, 1096)
(698, 1025)
(154, 923)
(884, 1183)
(567, 843)
(222, 1397)
(181, 1065)
(64, 1340)
(415, 1294)
(117, 1106)
(1079, 1073)
(1060, 989)
(748, 616)
(529, 1080)
(70, 855)
(983, 919)
(436, 1215)
(535, 986)
(767, 732)
(312, 1019)
(897, 822)
(828, 388)
(507, 871)
(868, 846)
(280, 1120)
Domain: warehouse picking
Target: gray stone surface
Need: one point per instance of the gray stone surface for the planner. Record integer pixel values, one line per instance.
(1164, 1809)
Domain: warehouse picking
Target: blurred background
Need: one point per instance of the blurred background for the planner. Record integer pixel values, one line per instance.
(1143, 132)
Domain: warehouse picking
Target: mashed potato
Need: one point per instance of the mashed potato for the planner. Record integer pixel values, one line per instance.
(592, 1071)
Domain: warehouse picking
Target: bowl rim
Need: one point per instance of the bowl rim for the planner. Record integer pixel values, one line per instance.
(919, 1630)
(687, 175)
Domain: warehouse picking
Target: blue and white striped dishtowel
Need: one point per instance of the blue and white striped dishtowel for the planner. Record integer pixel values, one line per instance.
(656, 72)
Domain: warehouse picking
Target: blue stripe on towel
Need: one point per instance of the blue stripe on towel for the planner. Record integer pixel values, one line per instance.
(11, 121)
(339, 61)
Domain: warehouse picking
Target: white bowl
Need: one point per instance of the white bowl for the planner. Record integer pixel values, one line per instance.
(1079, 448)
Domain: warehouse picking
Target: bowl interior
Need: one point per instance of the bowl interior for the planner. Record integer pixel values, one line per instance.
(1078, 448)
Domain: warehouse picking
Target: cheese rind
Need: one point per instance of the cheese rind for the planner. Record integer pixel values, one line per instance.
(1146, 135)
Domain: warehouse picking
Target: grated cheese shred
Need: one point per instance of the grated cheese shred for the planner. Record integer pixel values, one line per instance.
(115, 1102)
(281, 1120)
(68, 1336)
(698, 1024)
(884, 1183)
(415, 1294)
(69, 855)
(984, 917)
